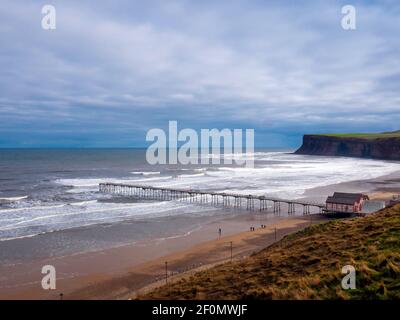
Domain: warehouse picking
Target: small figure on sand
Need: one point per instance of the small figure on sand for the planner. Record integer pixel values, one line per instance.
(219, 233)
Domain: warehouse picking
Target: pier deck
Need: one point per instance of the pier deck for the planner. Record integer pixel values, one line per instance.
(234, 200)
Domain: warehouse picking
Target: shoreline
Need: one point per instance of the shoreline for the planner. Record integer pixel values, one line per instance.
(107, 273)
(124, 279)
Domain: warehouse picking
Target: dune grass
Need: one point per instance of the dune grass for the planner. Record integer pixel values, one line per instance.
(307, 265)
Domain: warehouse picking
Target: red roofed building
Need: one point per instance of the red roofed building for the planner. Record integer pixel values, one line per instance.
(345, 202)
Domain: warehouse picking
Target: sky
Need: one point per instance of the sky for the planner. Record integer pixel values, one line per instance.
(112, 70)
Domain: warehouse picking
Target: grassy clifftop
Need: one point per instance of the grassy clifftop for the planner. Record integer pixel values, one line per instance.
(368, 136)
(385, 146)
(307, 265)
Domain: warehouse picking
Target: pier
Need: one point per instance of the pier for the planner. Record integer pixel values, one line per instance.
(234, 200)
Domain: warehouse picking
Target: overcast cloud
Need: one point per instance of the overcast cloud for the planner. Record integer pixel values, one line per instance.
(114, 69)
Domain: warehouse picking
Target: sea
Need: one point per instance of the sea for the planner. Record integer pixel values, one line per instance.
(48, 190)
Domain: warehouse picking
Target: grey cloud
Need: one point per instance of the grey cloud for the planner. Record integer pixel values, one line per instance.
(258, 63)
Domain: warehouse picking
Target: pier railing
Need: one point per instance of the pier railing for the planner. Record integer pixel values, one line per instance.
(240, 201)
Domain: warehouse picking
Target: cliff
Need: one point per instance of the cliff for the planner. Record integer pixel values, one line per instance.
(376, 146)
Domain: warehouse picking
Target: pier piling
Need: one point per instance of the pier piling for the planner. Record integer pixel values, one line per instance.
(207, 197)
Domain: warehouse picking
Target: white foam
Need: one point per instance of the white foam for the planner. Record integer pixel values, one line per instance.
(93, 184)
(62, 217)
(83, 203)
(146, 173)
(196, 169)
(276, 174)
(146, 180)
(289, 174)
(32, 208)
(80, 183)
(11, 199)
(183, 176)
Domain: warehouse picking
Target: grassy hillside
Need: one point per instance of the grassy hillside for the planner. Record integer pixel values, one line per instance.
(394, 134)
(307, 265)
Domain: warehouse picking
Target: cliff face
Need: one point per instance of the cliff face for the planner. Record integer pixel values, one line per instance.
(379, 148)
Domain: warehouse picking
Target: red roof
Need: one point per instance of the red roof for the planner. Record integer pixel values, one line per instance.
(346, 198)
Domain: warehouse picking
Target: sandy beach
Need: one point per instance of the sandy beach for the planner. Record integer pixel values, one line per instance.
(123, 271)
(119, 272)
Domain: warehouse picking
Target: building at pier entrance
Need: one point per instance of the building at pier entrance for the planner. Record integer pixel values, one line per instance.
(346, 202)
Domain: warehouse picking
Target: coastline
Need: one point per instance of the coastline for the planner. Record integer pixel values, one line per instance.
(119, 272)
(380, 188)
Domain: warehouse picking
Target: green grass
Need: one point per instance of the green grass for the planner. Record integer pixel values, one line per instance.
(394, 134)
(307, 265)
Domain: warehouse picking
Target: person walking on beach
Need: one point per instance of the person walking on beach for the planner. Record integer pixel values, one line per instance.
(219, 233)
